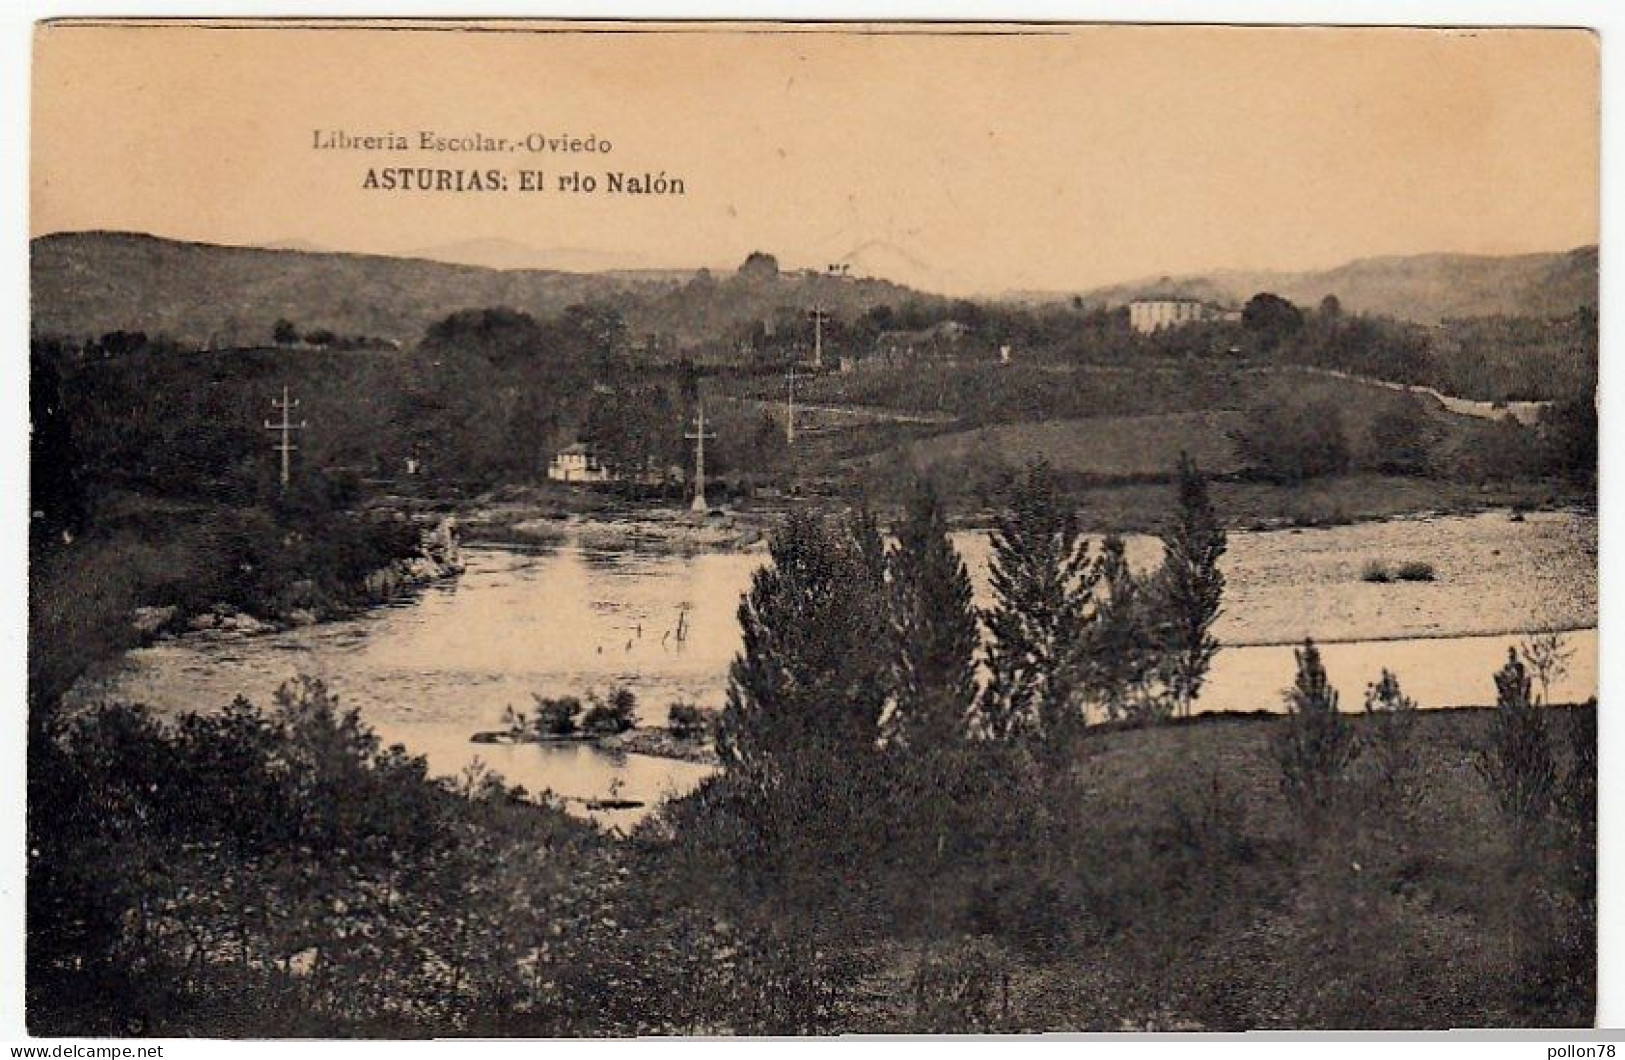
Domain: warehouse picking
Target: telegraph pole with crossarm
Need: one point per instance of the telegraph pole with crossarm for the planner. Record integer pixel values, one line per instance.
(699, 436)
(285, 429)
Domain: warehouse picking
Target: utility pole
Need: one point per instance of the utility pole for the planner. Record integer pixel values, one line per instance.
(818, 337)
(790, 409)
(699, 436)
(285, 429)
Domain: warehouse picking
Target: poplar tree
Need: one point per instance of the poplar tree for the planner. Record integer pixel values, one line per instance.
(1190, 589)
(934, 628)
(1119, 668)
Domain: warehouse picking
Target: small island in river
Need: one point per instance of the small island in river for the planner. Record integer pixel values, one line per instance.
(609, 724)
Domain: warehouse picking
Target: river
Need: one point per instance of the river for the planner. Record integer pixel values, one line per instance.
(565, 618)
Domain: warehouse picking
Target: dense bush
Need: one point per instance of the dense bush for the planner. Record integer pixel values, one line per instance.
(1289, 442)
(1411, 570)
(606, 717)
(1391, 726)
(1414, 571)
(1400, 439)
(687, 721)
(281, 871)
(1568, 434)
(1518, 763)
(1490, 451)
(1376, 572)
(555, 716)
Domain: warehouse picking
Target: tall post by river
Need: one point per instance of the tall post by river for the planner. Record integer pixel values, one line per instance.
(699, 436)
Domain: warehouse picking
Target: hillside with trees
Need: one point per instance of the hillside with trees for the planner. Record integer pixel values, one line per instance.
(1422, 288)
(204, 295)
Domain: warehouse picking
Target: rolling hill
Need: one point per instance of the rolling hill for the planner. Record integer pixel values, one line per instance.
(1424, 288)
(90, 283)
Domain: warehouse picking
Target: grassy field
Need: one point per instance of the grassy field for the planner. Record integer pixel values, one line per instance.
(1110, 432)
(1105, 425)
(1108, 447)
(977, 394)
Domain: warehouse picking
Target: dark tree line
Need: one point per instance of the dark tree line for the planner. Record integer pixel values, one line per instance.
(852, 646)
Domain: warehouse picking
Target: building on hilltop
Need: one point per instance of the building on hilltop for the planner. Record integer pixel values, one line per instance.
(1147, 315)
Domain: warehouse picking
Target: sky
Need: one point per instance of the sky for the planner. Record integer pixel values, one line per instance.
(1041, 158)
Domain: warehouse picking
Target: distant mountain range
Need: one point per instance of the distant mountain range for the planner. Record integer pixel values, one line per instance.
(89, 283)
(1424, 288)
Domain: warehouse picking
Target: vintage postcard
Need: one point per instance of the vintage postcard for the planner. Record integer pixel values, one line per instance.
(614, 529)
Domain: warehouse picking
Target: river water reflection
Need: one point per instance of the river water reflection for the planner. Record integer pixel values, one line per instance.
(565, 619)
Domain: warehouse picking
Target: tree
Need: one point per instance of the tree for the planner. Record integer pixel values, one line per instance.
(597, 329)
(1391, 719)
(556, 717)
(283, 333)
(1189, 589)
(612, 716)
(934, 626)
(1118, 667)
(56, 488)
(871, 660)
(1042, 591)
(636, 432)
(1568, 430)
(810, 674)
(1547, 656)
(1331, 310)
(502, 337)
(1315, 745)
(759, 265)
(1272, 318)
(1517, 761)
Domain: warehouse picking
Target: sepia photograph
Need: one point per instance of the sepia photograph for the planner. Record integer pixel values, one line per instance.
(613, 529)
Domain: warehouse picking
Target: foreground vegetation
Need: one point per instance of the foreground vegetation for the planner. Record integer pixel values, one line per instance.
(893, 844)
(1163, 883)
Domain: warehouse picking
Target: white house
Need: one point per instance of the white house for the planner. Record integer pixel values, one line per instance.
(577, 463)
(1146, 315)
